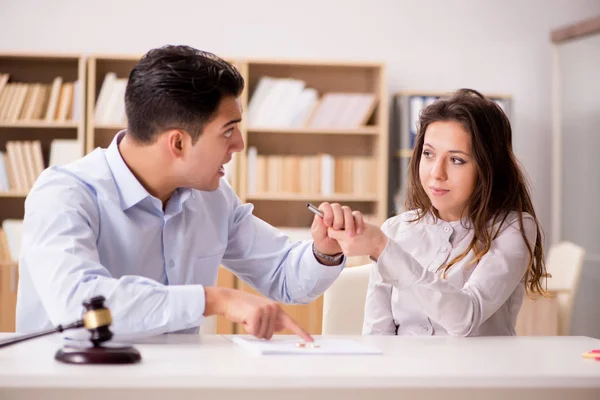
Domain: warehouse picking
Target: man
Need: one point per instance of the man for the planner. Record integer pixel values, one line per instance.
(147, 221)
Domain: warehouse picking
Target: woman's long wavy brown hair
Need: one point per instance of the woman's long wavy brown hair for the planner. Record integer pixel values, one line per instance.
(501, 186)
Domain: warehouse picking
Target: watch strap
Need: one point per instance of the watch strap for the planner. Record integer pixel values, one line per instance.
(333, 257)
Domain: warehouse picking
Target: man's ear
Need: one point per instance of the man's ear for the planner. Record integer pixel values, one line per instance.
(175, 141)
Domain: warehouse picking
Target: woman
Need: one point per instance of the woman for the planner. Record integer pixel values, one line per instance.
(459, 261)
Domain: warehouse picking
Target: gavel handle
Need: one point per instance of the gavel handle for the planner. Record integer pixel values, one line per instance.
(59, 328)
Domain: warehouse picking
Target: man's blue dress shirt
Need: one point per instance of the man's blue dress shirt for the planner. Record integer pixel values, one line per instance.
(90, 228)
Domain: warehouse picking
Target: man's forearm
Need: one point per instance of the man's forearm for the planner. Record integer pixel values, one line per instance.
(214, 298)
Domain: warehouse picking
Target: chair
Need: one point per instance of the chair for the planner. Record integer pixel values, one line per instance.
(564, 263)
(552, 316)
(344, 302)
(209, 326)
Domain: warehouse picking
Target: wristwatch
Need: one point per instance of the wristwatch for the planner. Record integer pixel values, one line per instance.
(333, 258)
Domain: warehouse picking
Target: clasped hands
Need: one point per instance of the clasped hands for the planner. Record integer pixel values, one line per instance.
(343, 230)
(339, 230)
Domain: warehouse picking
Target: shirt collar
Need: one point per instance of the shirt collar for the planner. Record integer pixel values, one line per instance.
(130, 189)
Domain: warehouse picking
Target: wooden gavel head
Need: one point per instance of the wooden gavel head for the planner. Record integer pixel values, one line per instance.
(97, 319)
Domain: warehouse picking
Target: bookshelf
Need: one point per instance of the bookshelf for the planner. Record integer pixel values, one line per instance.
(366, 138)
(100, 131)
(41, 100)
(293, 137)
(406, 108)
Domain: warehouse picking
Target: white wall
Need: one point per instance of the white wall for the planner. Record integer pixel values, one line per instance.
(493, 46)
(580, 215)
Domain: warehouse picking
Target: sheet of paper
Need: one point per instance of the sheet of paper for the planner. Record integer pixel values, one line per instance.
(288, 346)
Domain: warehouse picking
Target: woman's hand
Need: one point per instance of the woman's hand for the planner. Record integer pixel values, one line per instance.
(335, 217)
(370, 242)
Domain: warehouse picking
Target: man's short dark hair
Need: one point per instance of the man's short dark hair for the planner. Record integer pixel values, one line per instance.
(177, 87)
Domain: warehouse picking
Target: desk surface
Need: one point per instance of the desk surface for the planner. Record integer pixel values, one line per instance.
(191, 361)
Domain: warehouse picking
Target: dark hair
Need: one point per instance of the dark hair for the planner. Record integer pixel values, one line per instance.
(177, 87)
(501, 186)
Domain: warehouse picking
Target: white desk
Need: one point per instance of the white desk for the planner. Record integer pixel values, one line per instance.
(188, 366)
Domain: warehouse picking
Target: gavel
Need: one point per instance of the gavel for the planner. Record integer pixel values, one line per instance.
(96, 319)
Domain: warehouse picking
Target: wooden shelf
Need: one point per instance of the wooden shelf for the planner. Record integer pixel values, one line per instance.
(336, 197)
(113, 127)
(39, 57)
(97, 67)
(367, 130)
(293, 62)
(38, 73)
(40, 124)
(368, 143)
(13, 194)
(426, 93)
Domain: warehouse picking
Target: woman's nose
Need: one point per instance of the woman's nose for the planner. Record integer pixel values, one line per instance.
(438, 170)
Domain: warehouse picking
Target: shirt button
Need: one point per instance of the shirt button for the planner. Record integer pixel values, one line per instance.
(171, 263)
(425, 328)
(447, 229)
(444, 249)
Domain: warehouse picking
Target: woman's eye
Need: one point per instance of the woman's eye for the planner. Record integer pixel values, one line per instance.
(457, 161)
(427, 153)
(228, 133)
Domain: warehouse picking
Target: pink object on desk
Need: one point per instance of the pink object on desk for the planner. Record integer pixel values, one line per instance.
(594, 354)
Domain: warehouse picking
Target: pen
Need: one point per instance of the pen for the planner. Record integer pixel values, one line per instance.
(317, 211)
(314, 210)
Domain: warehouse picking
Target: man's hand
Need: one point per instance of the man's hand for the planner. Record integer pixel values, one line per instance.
(339, 218)
(261, 317)
(370, 242)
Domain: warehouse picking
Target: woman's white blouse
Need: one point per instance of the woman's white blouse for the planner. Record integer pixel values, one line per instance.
(407, 296)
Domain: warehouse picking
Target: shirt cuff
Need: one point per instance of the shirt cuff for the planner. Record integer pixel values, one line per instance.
(186, 304)
(398, 267)
(315, 267)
